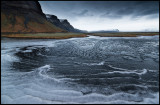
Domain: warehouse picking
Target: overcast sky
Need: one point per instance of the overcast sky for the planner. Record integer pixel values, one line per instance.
(106, 15)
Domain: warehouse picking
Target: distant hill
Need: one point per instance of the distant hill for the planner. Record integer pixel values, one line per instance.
(25, 16)
(63, 24)
(105, 31)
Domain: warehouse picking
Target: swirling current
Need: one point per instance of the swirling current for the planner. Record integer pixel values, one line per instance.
(80, 70)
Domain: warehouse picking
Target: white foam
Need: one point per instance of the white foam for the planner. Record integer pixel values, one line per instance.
(7, 55)
(45, 67)
(116, 68)
(148, 37)
(144, 71)
(154, 100)
(8, 58)
(101, 63)
(93, 64)
(27, 51)
(43, 73)
(126, 71)
(97, 37)
(43, 70)
(69, 96)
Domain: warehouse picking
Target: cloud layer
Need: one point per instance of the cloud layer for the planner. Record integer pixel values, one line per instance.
(96, 15)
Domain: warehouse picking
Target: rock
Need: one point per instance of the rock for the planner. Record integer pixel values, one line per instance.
(62, 23)
(24, 16)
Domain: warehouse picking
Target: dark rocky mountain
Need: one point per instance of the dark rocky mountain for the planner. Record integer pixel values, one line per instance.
(62, 23)
(25, 16)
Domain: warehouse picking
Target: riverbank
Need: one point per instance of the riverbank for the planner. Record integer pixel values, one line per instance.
(72, 35)
(45, 35)
(126, 34)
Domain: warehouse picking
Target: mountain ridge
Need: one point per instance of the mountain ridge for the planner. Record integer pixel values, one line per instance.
(24, 16)
(63, 23)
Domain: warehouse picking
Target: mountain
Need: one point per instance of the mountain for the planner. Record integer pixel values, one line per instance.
(24, 16)
(62, 23)
(105, 31)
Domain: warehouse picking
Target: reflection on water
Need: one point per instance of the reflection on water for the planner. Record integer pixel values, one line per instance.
(80, 70)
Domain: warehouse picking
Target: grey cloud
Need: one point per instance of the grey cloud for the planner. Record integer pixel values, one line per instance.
(153, 16)
(82, 13)
(90, 8)
(110, 15)
(135, 9)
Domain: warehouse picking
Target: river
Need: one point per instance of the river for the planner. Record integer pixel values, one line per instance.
(103, 70)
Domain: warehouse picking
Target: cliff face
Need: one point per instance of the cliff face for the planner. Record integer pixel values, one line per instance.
(54, 20)
(62, 23)
(22, 7)
(24, 16)
(68, 26)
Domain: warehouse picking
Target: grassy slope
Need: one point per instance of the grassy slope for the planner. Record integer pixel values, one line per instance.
(12, 23)
(46, 35)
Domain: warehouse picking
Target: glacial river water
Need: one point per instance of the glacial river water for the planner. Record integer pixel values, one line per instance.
(80, 70)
